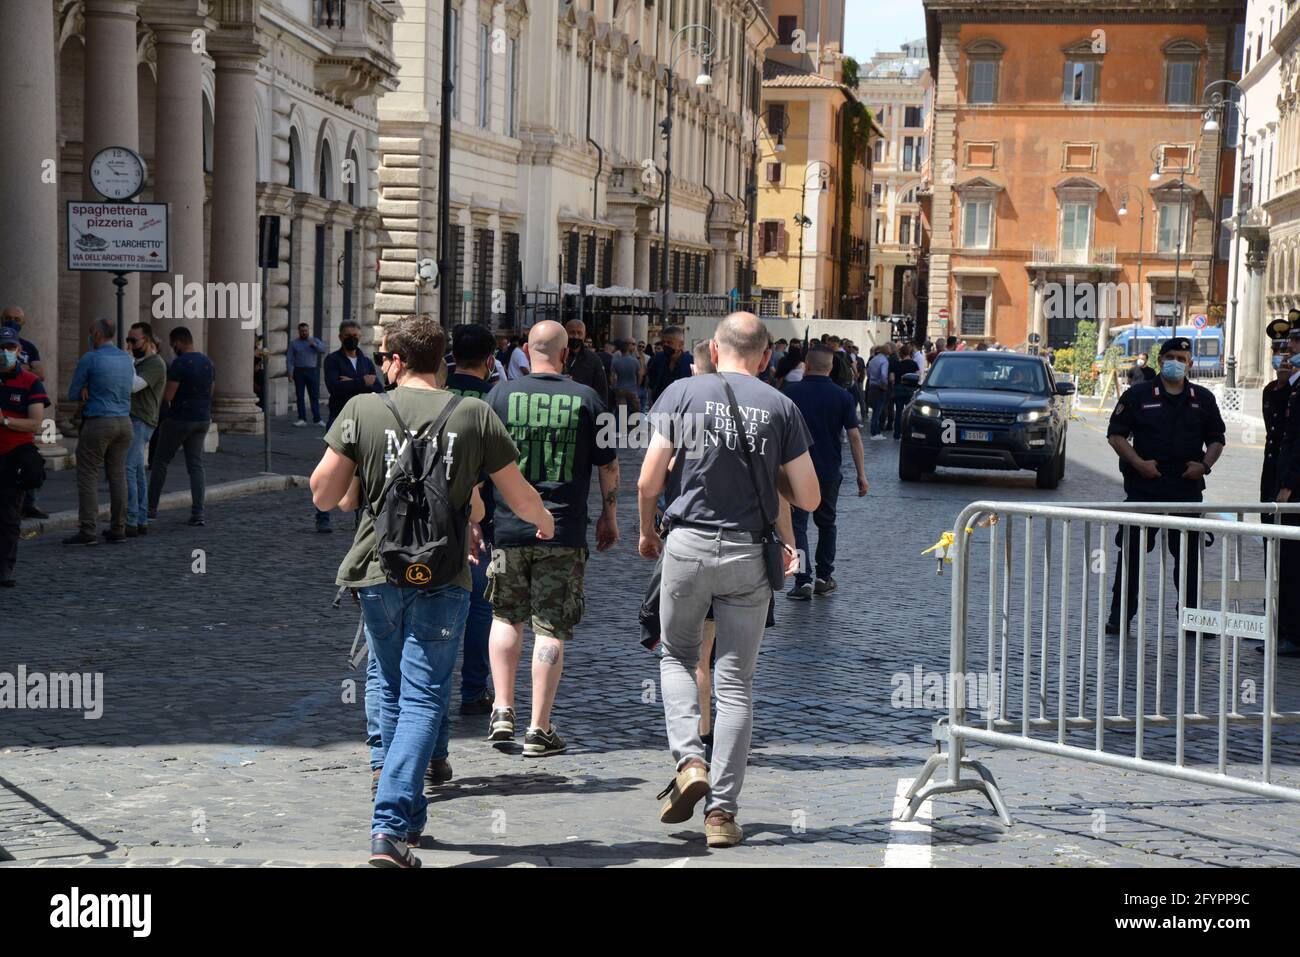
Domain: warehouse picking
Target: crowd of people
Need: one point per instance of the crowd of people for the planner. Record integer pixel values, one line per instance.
(134, 412)
(516, 430)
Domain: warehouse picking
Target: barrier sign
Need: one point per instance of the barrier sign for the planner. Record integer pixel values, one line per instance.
(117, 237)
(1240, 626)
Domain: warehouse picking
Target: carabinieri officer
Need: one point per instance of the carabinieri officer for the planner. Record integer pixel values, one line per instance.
(1177, 434)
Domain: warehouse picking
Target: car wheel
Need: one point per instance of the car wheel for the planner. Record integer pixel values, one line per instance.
(1049, 476)
(909, 469)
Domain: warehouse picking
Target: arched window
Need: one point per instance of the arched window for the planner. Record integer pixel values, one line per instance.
(295, 151)
(352, 182)
(326, 164)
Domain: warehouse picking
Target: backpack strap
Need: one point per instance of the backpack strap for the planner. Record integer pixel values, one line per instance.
(439, 424)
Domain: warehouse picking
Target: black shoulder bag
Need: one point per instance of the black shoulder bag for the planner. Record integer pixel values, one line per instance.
(773, 551)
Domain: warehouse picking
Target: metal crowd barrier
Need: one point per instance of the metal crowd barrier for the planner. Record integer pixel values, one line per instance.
(1071, 693)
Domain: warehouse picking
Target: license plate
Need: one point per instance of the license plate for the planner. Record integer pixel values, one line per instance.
(974, 435)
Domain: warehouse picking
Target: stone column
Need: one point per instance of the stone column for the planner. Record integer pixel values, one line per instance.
(233, 256)
(1039, 325)
(178, 160)
(1250, 361)
(30, 248)
(111, 119)
(625, 258)
(641, 272)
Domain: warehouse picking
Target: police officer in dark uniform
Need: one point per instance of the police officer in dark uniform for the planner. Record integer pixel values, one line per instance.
(1286, 486)
(1276, 396)
(1177, 434)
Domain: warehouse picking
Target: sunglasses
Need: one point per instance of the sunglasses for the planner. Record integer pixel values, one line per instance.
(132, 340)
(382, 357)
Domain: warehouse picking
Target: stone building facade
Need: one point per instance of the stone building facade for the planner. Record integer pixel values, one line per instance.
(557, 153)
(239, 108)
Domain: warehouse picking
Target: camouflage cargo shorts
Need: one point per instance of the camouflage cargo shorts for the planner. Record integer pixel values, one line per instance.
(538, 583)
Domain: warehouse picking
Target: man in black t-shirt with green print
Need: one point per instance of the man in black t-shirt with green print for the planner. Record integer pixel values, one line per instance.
(553, 421)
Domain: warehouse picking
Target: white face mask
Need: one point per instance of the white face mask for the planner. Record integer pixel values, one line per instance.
(8, 358)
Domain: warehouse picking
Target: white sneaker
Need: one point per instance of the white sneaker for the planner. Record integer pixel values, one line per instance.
(878, 438)
(300, 423)
(323, 424)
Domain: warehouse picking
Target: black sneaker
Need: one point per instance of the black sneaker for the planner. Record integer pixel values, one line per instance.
(196, 521)
(825, 586)
(436, 775)
(1112, 629)
(501, 726)
(388, 851)
(324, 528)
(31, 511)
(81, 538)
(802, 592)
(542, 744)
(112, 537)
(480, 705)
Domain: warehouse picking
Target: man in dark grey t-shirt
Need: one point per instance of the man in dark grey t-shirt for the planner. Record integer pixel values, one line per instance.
(713, 554)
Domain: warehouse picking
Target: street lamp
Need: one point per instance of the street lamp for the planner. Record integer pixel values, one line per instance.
(1126, 194)
(704, 79)
(1218, 105)
(803, 221)
(1156, 173)
(752, 192)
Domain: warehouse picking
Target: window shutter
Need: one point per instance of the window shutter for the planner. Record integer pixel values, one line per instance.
(782, 239)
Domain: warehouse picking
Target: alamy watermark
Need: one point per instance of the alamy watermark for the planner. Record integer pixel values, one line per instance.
(976, 691)
(211, 300)
(58, 690)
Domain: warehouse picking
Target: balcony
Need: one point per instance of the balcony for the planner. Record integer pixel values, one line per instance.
(362, 61)
(1051, 256)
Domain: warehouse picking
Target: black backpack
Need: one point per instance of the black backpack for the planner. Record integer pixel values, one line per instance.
(420, 534)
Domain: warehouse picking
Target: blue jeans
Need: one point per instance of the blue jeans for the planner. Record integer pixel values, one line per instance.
(308, 380)
(876, 398)
(476, 668)
(137, 481)
(824, 519)
(413, 637)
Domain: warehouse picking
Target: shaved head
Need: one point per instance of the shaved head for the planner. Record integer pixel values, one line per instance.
(819, 361)
(743, 335)
(547, 343)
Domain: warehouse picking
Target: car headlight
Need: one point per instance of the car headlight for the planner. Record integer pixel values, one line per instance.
(927, 411)
(1032, 416)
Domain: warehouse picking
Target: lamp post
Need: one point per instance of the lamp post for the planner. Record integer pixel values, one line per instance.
(803, 222)
(1218, 106)
(1182, 171)
(705, 51)
(752, 194)
(1127, 193)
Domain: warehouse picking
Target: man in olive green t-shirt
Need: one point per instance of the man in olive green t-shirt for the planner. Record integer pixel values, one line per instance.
(146, 398)
(413, 634)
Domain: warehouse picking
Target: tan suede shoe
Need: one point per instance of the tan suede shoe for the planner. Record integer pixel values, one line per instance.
(721, 830)
(686, 790)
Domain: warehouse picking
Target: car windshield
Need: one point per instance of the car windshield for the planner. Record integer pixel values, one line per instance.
(987, 372)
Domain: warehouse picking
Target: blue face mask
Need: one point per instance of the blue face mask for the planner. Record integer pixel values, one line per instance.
(1173, 370)
(1277, 362)
(8, 358)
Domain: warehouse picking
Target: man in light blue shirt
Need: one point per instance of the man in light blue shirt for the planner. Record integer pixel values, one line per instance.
(102, 382)
(302, 360)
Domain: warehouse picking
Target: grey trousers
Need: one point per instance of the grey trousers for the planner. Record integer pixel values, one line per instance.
(727, 570)
(173, 435)
(103, 442)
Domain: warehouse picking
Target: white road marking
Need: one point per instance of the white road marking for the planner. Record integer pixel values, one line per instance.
(909, 843)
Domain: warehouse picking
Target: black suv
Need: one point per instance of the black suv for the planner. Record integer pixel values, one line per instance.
(986, 410)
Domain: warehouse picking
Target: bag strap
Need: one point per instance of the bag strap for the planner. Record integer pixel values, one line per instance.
(742, 439)
(440, 424)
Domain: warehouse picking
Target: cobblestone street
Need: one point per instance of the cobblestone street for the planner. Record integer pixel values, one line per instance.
(232, 728)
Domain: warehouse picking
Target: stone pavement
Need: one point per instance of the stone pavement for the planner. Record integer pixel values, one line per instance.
(232, 724)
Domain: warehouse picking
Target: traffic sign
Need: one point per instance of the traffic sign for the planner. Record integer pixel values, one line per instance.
(1199, 321)
(1034, 338)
